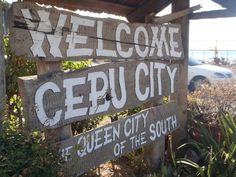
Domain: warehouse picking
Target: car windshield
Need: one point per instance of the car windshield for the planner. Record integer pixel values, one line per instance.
(194, 62)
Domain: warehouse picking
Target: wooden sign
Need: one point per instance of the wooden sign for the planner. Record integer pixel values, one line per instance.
(51, 34)
(95, 147)
(53, 100)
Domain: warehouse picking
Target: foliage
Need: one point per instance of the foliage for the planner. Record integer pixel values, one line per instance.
(15, 67)
(85, 125)
(23, 155)
(213, 126)
(219, 157)
(209, 101)
(137, 161)
(71, 66)
(170, 166)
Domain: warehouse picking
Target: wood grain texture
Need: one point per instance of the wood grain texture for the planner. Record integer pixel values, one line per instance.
(97, 146)
(103, 89)
(52, 35)
(181, 95)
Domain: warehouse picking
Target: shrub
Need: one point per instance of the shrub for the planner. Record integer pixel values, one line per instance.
(24, 155)
(213, 131)
(209, 101)
(216, 159)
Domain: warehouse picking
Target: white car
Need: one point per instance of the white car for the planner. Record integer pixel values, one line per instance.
(199, 73)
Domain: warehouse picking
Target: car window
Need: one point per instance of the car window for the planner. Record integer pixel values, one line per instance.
(194, 62)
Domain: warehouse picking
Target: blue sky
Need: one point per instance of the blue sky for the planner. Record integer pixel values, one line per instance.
(206, 34)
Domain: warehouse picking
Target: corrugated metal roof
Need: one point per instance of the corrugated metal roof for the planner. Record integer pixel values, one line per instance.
(229, 4)
(118, 7)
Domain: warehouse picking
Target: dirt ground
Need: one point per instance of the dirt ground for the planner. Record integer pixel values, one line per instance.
(122, 167)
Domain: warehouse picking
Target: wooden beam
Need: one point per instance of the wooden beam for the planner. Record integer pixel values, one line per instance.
(91, 106)
(213, 14)
(176, 15)
(181, 96)
(151, 6)
(90, 5)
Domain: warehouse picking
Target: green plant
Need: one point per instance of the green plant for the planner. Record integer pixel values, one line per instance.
(24, 155)
(208, 102)
(15, 67)
(171, 167)
(137, 161)
(219, 157)
(213, 131)
(71, 66)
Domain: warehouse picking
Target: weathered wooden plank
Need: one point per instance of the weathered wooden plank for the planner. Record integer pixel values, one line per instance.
(56, 99)
(52, 35)
(181, 95)
(92, 148)
(176, 15)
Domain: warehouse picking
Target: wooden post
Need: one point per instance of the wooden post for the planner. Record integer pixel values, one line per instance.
(62, 133)
(181, 96)
(154, 153)
(2, 71)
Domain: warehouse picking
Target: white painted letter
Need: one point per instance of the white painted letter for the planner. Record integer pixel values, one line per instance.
(70, 100)
(172, 77)
(107, 135)
(174, 121)
(141, 97)
(120, 27)
(174, 44)
(81, 152)
(152, 131)
(100, 50)
(151, 80)
(74, 39)
(136, 37)
(118, 103)
(41, 114)
(55, 39)
(95, 95)
(159, 66)
(97, 139)
(159, 43)
(126, 127)
(37, 37)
